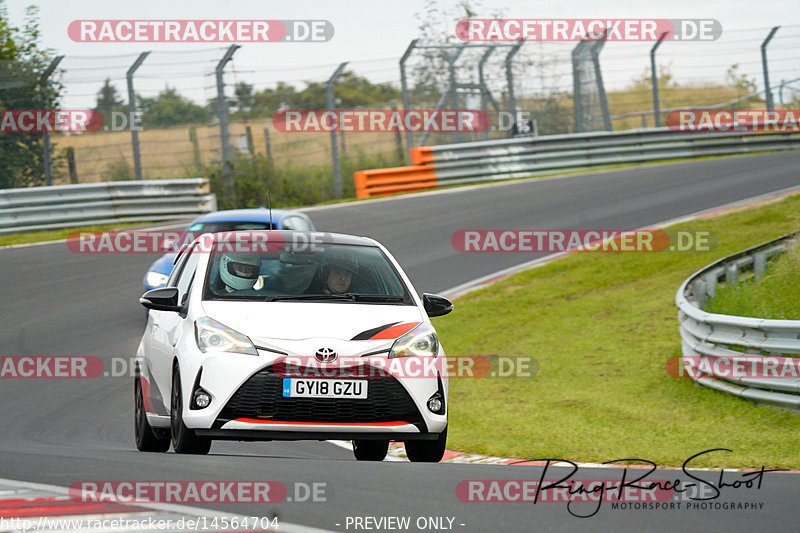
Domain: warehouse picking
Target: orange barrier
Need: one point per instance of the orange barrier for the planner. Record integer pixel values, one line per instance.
(421, 155)
(382, 181)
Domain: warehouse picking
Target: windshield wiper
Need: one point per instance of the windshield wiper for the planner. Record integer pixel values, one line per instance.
(344, 296)
(377, 298)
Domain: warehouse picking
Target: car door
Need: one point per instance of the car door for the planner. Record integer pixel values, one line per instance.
(167, 325)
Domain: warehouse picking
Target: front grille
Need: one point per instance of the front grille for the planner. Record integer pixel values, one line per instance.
(261, 397)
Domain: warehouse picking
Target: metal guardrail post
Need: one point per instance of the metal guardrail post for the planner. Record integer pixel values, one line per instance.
(404, 87)
(654, 80)
(137, 158)
(767, 89)
(337, 170)
(48, 159)
(222, 113)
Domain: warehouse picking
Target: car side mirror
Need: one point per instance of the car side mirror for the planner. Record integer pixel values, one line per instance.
(436, 305)
(163, 299)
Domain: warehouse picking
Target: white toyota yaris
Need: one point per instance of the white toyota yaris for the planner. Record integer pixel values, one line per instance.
(266, 335)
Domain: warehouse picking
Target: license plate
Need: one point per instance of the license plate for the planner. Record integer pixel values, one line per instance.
(325, 388)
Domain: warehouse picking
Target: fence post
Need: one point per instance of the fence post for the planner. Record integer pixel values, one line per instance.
(767, 90)
(484, 90)
(195, 146)
(450, 86)
(398, 139)
(249, 133)
(137, 160)
(269, 147)
(222, 112)
(337, 171)
(404, 86)
(601, 88)
(73, 171)
(48, 160)
(512, 101)
(654, 80)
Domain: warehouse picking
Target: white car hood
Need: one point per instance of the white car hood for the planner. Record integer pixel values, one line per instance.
(307, 320)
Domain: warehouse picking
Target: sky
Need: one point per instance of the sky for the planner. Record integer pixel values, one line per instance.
(372, 35)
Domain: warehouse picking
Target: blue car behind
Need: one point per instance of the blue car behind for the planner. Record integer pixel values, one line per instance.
(229, 220)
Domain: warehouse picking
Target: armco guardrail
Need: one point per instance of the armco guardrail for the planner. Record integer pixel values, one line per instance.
(65, 206)
(394, 180)
(530, 156)
(741, 341)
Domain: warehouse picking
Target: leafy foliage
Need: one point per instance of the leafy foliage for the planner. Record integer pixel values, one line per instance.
(108, 100)
(169, 108)
(22, 62)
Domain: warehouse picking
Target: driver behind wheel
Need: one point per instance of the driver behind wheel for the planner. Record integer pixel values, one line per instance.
(239, 271)
(339, 273)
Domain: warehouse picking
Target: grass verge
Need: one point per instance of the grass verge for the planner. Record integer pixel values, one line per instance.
(775, 294)
(602, 327)
(56, 234)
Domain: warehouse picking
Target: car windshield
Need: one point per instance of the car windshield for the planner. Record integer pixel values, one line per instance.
(198, 228)
(226, 225)
(328, 273)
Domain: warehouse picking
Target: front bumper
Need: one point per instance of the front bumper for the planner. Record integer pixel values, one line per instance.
(253, 407)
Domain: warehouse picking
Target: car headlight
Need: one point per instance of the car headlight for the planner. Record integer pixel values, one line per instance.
(422, 340)
(155, 279)
(215, 337)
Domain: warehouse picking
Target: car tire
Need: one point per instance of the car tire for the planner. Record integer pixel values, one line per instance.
(147, 440)
(427, 451)
(184, 440)
(370, 450)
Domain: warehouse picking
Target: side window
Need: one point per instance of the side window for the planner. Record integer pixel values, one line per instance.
(176, 270)
(289, 223)
(184, 279)
(295, 223)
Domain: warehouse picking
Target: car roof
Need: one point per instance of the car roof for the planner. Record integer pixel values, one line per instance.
(315, 236)
(260, 214)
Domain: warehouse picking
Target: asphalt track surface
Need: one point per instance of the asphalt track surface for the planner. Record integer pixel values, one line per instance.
(55, 302)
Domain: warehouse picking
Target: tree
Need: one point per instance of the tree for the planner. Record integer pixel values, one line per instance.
(644, 82)
(169, 108)
(742, 83)
(107, 101)
(22, 62)
(268, 101)
(244, 96)
(436, 28)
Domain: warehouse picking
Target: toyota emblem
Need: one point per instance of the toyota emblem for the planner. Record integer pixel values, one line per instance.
(325, 355)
